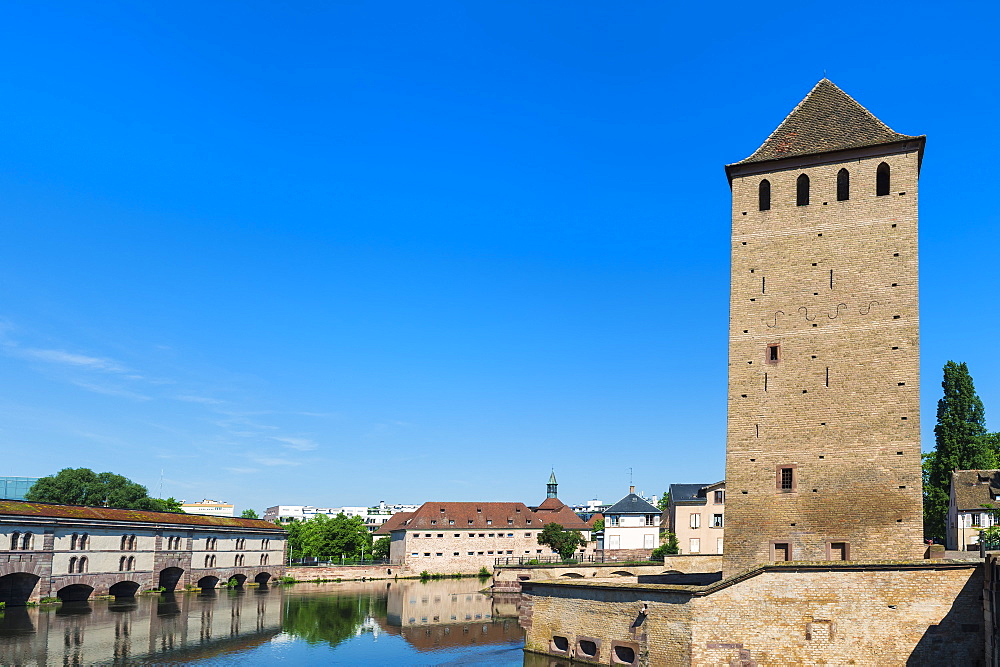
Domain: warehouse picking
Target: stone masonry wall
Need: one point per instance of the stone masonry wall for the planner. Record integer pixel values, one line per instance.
(834, 285)
(881, 615)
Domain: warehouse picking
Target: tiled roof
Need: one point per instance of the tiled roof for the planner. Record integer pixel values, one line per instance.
(632, 504)
(43, 510)
(688, 493)
(827, 119)
(439, 516)
(393, 522)
(553, 510)
(975, 488)
(594, 519)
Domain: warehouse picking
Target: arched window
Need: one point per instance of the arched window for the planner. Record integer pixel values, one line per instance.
(131, 542)
(263, 559)
(843, 185)
(131, 563)
(764, 195)
(208, 559)
(82, 564)
(85, 541)
(72, 542)
(882, 180)
(121, 563)
(124, 543)
(15, 540)
(72, 565)
(26, 541)
(802, 190)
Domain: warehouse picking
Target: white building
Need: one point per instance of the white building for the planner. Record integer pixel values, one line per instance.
(209, 508)
(373, 517)
(631, 524)
(973, 493)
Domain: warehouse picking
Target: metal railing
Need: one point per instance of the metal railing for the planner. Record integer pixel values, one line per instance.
(337, 562)
(576, 560)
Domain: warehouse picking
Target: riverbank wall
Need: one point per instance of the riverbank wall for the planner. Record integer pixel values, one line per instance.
(350, 572)
(864, 613)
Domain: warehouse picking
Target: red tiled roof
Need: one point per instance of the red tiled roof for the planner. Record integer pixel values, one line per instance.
(40, 510)
(553, 510)
(394, 522)
(439, 516)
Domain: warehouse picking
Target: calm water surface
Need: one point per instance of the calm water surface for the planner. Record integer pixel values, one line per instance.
(444, 622)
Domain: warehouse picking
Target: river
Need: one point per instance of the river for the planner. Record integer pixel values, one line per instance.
(404, 622)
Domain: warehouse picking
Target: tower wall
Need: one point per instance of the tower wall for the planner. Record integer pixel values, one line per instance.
(840, 406)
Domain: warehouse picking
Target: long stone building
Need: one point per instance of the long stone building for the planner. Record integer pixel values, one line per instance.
(823, 560)
(72, 552)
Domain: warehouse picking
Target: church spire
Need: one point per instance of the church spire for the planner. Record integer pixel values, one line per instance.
(550, 488)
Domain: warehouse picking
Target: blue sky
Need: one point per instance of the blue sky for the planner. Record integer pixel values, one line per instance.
(332, 253)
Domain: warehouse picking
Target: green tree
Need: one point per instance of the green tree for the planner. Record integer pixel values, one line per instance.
(381, 547)
(331, 537)
(598, 526)
(249, 514)
(563, 542)
(962, 443)
(669, 547)
(82, 486)
(664, 502)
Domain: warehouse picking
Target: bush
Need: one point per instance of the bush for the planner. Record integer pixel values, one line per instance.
(668, 548)
(484, 573)
(286, 580)
(48, 600)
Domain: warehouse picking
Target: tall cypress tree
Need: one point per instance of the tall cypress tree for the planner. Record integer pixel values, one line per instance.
(961, 444)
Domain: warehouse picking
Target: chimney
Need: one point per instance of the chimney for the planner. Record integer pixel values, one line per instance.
(631, 489)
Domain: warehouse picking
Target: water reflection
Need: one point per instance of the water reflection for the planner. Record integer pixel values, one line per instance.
(242, 625)
(162, 628)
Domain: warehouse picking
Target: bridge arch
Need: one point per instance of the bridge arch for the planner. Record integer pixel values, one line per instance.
(124, 589)
(75, 592)
(238, 580)
(572, 575)
(622, 573)
(16, 588)
(208, 582)
(169, 577)
(262, 578)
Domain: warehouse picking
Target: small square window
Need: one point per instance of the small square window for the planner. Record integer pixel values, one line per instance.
(781, 551)
(773, 354)
(786, 479)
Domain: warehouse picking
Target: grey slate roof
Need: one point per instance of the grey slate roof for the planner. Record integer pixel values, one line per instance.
(827, 119)
(632, 504)
(688, 493)
(975, 488)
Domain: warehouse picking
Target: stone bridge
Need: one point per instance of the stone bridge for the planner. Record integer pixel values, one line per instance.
(28, 577)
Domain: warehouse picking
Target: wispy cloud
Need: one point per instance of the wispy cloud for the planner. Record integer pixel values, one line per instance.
(68, 359)
(300, 444)
(110, 391)
(203, 400)
(271, 461)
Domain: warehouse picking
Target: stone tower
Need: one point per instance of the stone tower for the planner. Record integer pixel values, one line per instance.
(823, 444)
